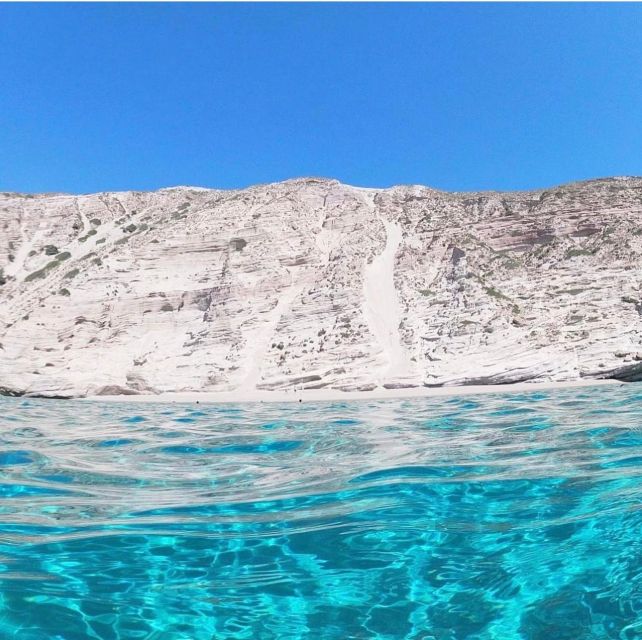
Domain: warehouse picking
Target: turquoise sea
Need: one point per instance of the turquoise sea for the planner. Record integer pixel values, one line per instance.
(503, 516)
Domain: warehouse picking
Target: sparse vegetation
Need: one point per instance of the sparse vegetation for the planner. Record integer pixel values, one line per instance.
(573, 253)
(71, 274)
(41, 273)
(91, 232)
(52, 264)
(494, 293)
(95, 221)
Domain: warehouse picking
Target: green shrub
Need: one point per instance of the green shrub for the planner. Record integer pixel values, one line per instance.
(71, 274)
(50, 250)
(91, 232)
(96, 222)
(64, 292)
(572, 253)
(41, 273)
(494, 293)
(65, 255)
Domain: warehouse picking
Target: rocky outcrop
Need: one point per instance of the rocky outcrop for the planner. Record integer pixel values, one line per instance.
(314, 284)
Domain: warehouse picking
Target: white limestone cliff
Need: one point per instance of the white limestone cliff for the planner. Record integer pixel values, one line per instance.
(310, 283)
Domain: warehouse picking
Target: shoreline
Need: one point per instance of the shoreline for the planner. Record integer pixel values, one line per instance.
(334, 395)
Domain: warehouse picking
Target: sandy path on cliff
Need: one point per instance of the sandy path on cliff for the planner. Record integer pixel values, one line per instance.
(382, 306)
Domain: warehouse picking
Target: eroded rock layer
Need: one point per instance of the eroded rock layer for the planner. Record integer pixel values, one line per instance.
(314, 284)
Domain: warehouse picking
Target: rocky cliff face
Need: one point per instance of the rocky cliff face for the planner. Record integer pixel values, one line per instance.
(311, 283)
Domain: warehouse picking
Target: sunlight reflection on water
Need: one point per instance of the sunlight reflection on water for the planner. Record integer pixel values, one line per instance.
(495, 516)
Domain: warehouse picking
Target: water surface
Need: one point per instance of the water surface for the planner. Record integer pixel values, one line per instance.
(487, 517)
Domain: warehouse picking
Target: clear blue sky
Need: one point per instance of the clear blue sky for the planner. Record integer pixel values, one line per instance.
(455, 96)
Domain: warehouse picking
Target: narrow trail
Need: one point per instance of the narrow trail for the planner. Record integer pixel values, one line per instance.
(261, 338)
(26, 245)
(382, 304)
(25, 299)
(84, 220)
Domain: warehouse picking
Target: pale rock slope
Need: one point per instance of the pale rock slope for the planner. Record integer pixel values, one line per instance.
(310, 283)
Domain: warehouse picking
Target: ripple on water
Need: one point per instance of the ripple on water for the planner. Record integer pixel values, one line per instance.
(494, 517)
